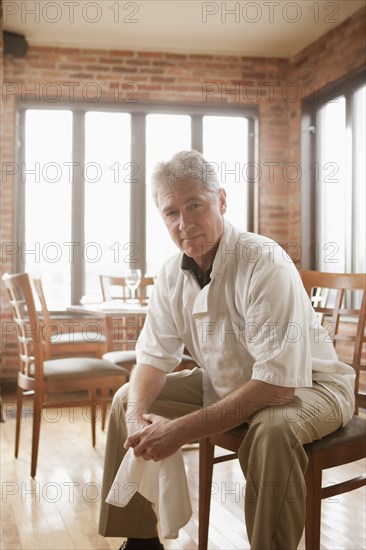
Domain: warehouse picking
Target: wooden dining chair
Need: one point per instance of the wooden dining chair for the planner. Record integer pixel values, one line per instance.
(115, 288)
(42, 378)
(63, 344)
(347, 444)
(121, 332)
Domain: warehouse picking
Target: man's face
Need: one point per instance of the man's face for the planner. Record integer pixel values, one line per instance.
(194, 218)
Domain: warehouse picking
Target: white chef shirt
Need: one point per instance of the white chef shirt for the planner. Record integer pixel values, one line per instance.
(254, 320)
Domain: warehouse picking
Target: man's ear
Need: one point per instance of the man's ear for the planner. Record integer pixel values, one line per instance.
(222, 200)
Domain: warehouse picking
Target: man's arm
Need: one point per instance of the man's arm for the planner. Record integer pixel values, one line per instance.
(163, 437)
(145, 385)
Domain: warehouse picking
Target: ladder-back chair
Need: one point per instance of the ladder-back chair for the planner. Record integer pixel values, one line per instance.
(41, 378)
(66, 343)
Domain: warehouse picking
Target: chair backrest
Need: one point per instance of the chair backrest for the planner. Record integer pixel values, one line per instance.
(340, 301)
(116, 288)
(37, 285)
(29, 329)
(113, 288)
(142, 292)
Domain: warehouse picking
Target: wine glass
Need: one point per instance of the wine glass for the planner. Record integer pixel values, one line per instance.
(133, 280)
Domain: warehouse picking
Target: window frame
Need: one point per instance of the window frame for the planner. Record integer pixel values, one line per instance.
(138, 112)
(309, 157)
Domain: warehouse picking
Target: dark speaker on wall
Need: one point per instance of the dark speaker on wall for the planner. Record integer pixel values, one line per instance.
(14, 44)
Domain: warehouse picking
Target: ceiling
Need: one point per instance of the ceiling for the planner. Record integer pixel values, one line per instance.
(256, 28)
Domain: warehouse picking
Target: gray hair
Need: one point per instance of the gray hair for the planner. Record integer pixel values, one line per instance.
(183, 166)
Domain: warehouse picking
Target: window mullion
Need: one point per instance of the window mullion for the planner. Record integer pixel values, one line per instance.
(253, 184)
(349, 175)
(197, 132)
(19, 200)
(77, 207)
(138, 192)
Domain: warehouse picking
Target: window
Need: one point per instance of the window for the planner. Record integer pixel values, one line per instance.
(225, 144)
(85, 205)
(333, 185)
(47, 198)
(107, 175)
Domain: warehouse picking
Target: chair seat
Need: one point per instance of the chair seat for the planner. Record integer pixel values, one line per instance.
(76, 368)
(351, 433)
(87, 337)
(120, 357)
(129, 356)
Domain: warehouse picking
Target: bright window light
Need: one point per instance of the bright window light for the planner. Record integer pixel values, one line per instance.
(225, 145)
(108, 173)
(48, 180)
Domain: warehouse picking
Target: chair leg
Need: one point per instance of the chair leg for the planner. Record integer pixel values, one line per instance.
(18, 419)
(206, 462)
(37, 416)
(105, 394)
(93, 406)
(313, 479)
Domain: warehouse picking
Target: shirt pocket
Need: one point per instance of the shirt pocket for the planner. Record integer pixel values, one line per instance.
(260, 332)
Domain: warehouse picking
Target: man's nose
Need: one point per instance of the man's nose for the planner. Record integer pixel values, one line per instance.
(185, 221)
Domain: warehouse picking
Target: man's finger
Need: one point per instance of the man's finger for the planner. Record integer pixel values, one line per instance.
(132, 440)
(149, 417)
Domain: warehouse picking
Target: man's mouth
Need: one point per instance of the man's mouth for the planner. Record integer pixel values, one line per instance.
(188, 239)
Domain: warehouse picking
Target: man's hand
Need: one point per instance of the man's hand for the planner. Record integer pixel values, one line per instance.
(135, 424)
(158, 440)
(145, 385)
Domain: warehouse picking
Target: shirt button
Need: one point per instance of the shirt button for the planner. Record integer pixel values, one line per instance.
(227, 354)
(204, 350)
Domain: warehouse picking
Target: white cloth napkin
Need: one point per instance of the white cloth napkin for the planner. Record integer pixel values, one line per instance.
(163, 483)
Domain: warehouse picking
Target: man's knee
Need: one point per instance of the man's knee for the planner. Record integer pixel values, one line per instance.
(121, 394)
(119, 403)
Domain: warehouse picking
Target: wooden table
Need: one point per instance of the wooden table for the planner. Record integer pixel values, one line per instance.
(114, 308)
(122, 321)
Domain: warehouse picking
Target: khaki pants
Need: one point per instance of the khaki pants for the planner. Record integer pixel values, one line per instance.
(271, 456)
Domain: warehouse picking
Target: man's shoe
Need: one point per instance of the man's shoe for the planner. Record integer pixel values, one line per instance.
(142, 544)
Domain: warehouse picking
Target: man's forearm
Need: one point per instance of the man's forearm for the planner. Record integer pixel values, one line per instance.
(233, 410)
(145, 386)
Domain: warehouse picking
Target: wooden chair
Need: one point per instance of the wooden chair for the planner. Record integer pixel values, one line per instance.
(69, 343)
(121, 332)
(41, 378)
(346, 445)
(113, 288)
(116, 288)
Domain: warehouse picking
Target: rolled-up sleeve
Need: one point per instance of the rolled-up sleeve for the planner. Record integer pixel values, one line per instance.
(277, 334)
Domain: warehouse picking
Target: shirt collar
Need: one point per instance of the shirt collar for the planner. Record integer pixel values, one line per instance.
(202, 277)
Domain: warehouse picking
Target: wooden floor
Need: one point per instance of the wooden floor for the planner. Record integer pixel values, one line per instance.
(59, 509)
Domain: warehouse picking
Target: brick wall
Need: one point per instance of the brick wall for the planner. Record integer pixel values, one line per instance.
(275, 85)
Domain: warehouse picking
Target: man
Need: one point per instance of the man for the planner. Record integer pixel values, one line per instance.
(236, 302)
